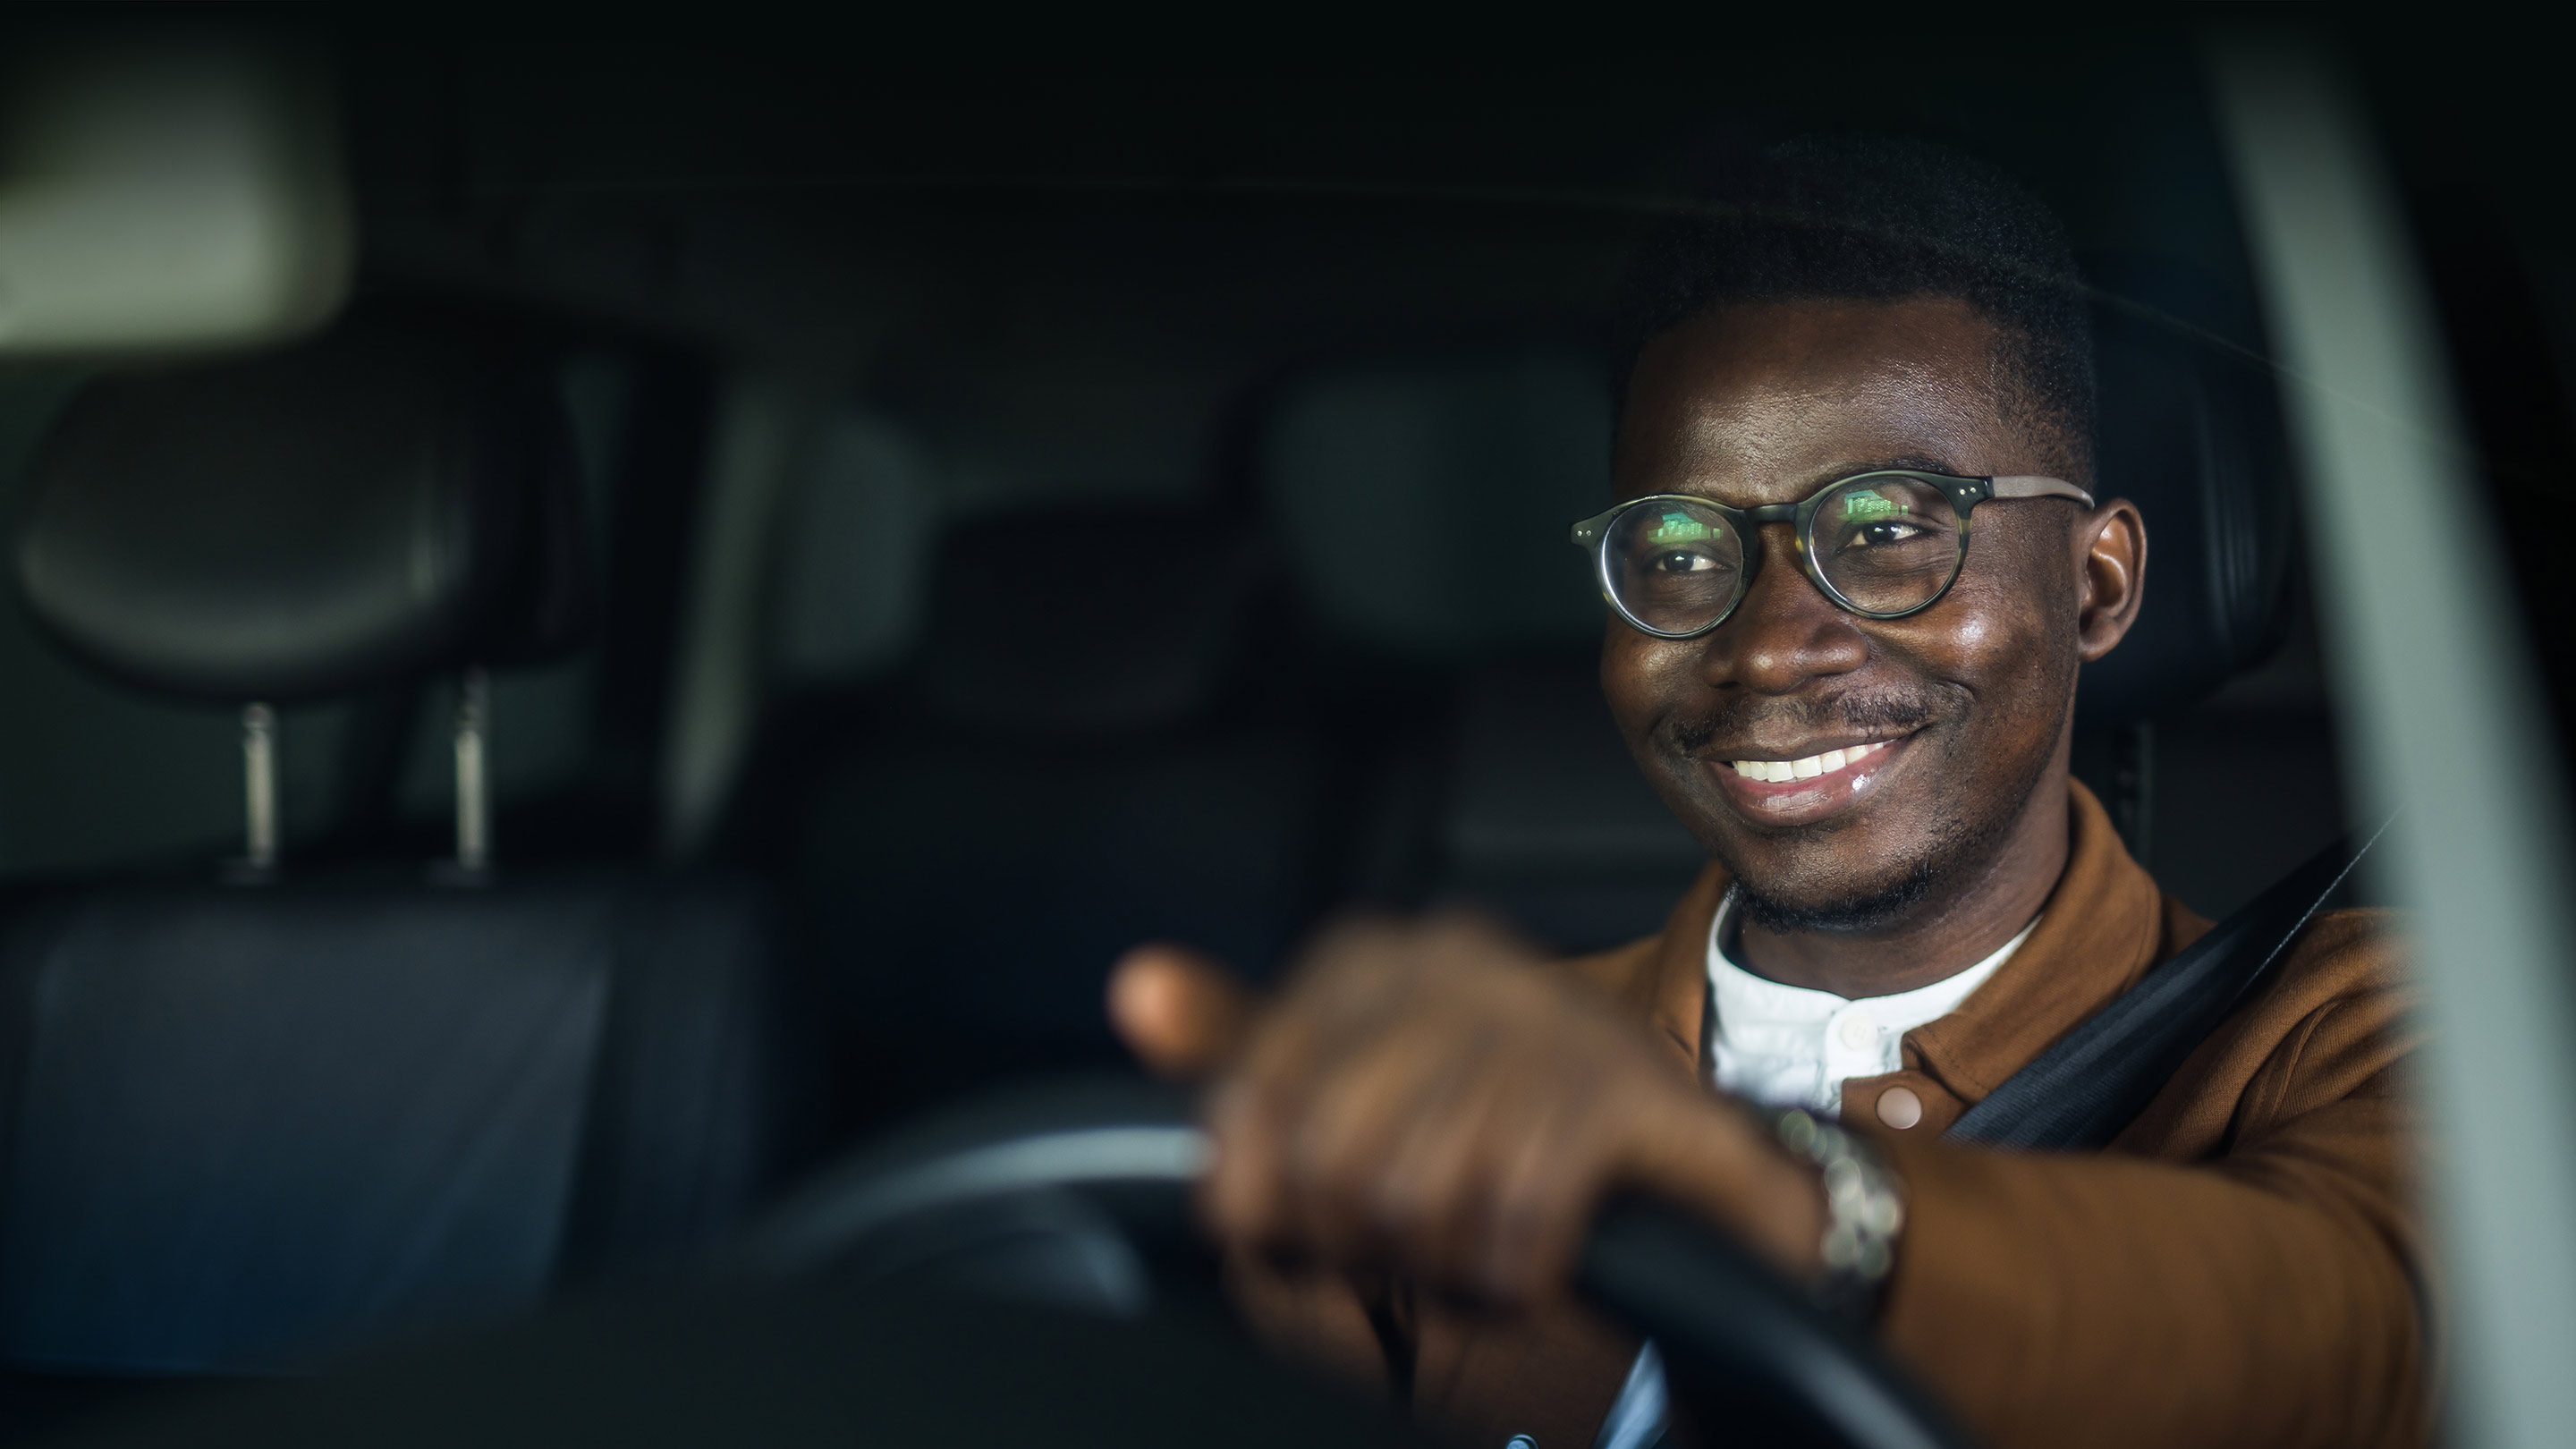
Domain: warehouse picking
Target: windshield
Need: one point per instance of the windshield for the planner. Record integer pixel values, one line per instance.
(928, 543)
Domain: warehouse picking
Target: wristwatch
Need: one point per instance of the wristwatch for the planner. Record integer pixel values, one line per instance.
(1864, 1212)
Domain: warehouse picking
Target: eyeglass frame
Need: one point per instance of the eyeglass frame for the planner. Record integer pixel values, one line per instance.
(1965, 493)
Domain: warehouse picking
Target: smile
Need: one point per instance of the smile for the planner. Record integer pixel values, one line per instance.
(1810, 788)
(1812, 766)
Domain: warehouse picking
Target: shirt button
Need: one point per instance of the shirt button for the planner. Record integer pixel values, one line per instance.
(1859, 1033)
(1899, 1108)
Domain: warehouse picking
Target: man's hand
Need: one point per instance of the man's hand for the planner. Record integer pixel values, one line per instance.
(1435, 1099)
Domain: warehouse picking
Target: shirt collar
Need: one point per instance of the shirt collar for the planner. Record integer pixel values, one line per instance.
(2101, 929)
(1742, 999)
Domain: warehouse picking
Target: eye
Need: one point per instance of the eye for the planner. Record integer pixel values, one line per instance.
(1888, 530)
(1681, 561)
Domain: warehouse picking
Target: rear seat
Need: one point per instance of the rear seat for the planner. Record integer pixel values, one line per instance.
(255, 1121)
(1424, 504)
(1092, 748)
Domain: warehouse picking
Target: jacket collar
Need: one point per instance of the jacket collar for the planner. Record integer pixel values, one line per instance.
(2103, 927)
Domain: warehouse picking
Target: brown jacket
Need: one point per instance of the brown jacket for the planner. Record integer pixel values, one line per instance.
(2241, 1266)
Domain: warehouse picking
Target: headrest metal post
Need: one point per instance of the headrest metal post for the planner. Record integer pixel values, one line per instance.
(473, 781)
(259, 790)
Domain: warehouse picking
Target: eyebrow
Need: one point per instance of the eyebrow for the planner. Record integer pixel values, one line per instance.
(1902, 462)
(1906, 462)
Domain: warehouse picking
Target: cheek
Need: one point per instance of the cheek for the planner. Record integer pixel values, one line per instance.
(2001, 646)
(1975, 636)
(1997, 644)
(1643, 677)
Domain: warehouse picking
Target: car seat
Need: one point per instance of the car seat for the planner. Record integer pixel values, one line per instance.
(1094, 746)
(254, 1119)
(1422, 504)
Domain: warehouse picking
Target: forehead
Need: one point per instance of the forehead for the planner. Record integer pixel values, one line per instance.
(1763, 403)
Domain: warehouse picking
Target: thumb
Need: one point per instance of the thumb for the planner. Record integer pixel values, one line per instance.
(1181, 1013)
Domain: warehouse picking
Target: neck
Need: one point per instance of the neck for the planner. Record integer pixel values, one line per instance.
(1968, 920)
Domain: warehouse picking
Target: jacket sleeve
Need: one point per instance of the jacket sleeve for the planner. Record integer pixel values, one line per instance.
(2266, 1294)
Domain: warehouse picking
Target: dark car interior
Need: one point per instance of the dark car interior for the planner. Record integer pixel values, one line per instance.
(789, 573)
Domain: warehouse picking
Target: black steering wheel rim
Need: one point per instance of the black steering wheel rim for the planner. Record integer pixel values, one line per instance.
(1737, 1339)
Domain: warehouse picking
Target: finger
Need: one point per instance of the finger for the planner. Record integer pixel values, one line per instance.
(1429, 1201)
(1254, 1110)
(1182, 1014)
(1545, 1187)
(1238, 1196)
(1300, 1121)
(1348, 1145)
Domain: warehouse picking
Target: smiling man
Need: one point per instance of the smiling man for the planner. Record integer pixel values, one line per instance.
(1855, 574)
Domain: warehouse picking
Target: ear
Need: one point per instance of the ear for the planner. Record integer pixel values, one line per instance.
(2111, 576)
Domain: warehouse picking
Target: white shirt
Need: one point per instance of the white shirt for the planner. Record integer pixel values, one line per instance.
(1787, 1046)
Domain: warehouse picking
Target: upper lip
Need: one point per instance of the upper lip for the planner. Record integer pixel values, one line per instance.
(1820, 745)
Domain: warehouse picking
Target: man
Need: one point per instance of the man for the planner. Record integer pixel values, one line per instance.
(1866, 722)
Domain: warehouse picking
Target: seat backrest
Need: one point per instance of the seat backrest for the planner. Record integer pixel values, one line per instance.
(1081, 758)
(1424, 503)
(2190, 430)
(255, 1125)
(251, 1124)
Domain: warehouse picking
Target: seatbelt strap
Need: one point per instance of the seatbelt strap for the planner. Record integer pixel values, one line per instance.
(2096, 1079)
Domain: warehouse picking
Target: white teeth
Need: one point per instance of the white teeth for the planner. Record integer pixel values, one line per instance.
(1808, 768)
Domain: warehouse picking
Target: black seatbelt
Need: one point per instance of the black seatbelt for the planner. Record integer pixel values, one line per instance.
(2096, 1079)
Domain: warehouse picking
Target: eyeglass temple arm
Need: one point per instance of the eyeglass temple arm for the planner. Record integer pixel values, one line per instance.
(2035, 485)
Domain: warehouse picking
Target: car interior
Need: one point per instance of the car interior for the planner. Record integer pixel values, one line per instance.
(773, 576)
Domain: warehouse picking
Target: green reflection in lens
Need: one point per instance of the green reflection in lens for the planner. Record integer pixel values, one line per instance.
(1679, 528)
(1869, 505)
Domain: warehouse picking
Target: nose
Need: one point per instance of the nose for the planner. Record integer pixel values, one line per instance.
(1785, 633)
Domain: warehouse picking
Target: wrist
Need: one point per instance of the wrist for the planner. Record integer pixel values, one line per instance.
(1864, 1211)
(1813, 1199)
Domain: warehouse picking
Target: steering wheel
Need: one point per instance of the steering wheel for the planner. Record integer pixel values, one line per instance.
(950, 1288)
(1075, 1195)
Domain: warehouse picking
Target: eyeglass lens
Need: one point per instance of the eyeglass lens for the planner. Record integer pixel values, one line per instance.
(1674, 566)
(1886, 544)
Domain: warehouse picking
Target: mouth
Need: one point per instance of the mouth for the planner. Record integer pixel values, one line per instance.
(1803, 788)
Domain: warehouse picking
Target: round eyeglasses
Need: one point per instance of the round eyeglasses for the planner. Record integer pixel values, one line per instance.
(1883, 544)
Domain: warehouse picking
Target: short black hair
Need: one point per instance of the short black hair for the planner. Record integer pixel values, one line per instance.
(1871, 218)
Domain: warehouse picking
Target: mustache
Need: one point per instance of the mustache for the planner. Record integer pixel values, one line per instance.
(1876, 711)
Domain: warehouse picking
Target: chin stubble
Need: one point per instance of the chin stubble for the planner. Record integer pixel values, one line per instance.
(1961, 844)
(1959, 848)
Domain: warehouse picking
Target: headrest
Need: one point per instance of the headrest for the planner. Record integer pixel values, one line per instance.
(308, 522)
(2190, 431)
(1086, 620)
(1423, 503)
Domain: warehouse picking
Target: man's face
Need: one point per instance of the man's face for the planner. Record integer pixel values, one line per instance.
(1948, 720)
